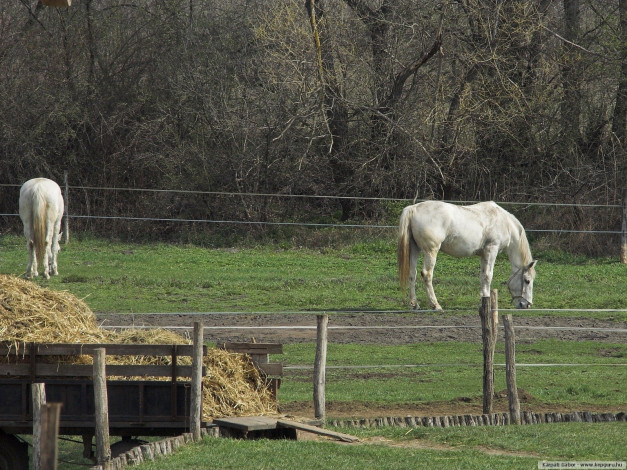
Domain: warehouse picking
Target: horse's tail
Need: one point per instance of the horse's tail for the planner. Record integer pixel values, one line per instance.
(39, 216)
(402, 250)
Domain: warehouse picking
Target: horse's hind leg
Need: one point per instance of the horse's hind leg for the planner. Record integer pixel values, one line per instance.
(414, 253)
(428, 265)
(54, 249)
(31, 267)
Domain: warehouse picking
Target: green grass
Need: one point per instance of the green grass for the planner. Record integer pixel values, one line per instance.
(449, 371)
(123, 277)
(502, 447)
(509, 447)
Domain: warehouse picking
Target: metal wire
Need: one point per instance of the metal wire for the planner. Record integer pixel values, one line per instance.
(300, 224)
(321, 196)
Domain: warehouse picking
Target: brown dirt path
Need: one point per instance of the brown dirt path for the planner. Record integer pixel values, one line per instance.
(373, 328)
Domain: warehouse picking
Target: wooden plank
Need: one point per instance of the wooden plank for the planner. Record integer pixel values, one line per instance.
(9, 348)
(273, 369)
(248, 423)
(81, 370)
(283, 423)
(253, 348)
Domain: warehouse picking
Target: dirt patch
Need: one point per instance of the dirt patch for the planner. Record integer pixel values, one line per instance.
(372, 328)
(428, 445)
(460, 406)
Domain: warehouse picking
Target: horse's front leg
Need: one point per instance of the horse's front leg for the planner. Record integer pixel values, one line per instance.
(428, 265)
(487, 270)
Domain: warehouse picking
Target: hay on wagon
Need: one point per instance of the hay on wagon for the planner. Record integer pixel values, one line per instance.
(29, 313)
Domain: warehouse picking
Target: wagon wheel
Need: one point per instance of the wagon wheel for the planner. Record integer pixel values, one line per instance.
(13, 453)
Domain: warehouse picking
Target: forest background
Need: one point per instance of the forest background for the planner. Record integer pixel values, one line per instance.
(356, 102)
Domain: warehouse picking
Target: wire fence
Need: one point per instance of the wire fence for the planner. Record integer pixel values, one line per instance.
(320, 196)
(342, 367)
(310, 224)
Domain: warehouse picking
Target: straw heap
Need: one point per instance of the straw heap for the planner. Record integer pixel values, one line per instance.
(29, 313)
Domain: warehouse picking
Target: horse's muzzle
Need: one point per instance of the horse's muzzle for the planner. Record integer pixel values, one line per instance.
(522, 304)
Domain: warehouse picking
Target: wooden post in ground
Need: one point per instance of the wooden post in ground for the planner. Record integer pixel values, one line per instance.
(196, 392)
(66, 202)
(38, 393)
(49, 433)
(101, 408)
(510, 369)
(487, 336)
(320, 366)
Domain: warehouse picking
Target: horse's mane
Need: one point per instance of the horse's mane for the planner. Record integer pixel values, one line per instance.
(523, 245)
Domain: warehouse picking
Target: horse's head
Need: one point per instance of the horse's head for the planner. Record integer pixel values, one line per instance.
(520, 285)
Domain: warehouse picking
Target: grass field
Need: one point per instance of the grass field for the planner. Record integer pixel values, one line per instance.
(506, 448)
(451, 371)
(121, 277)
(144, 278)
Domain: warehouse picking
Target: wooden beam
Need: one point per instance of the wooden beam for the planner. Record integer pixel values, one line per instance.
(283, 423)
(82, 370)
(253, 348)
(9, 348)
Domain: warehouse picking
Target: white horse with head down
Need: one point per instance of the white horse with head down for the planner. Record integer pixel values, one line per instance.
(41, 211)
(483, 229)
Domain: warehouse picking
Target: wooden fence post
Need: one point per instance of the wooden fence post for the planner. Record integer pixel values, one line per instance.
(66, 202)
(487, 336)
(510, 369)
(101, 408)
(49, 434)
(38, 392)
(320, 366)
(196, 392)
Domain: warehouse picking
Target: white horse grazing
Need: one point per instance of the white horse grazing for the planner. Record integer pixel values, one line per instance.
(41, 210)
(483, 229)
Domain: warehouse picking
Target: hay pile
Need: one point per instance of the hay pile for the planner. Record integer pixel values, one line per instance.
(232, 386)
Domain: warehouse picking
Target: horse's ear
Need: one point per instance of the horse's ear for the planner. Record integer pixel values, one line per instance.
(532, 264)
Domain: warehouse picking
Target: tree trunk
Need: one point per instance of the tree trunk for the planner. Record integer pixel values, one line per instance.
(571, 75)
(619, 122)
(334, 108)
